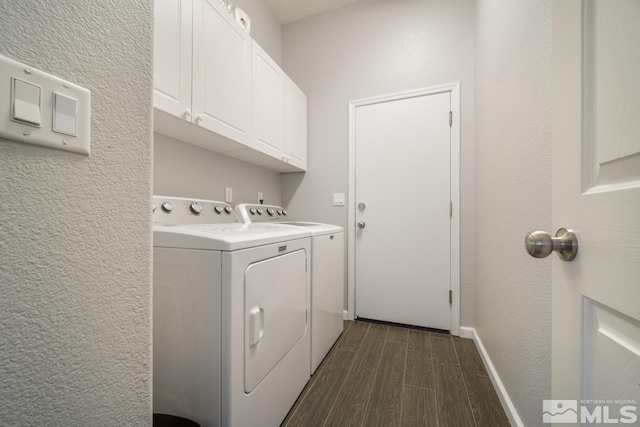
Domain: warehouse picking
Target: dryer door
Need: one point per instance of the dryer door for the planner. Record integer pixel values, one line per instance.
(275, 314)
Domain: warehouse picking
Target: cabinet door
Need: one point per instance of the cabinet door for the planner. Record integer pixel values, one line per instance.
(172, 45)
(222, 72)
(268, 104)
(295, 125)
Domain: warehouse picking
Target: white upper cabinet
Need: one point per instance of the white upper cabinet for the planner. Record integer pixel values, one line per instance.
(217, 88)
(268, 91)
(172, 43)
(221, 72)
(295, 124)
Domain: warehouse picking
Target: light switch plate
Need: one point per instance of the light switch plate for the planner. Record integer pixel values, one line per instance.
(44, 135)
(338, 199)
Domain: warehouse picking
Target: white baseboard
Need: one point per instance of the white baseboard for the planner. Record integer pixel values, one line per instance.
(466, 332)
(507, 404)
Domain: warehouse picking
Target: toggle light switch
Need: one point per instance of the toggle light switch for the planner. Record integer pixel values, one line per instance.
(27, 102)
(64, 114)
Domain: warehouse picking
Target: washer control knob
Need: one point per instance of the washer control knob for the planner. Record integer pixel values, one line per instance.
(167, 207)
(253, 211)
(284, 212)
(196, 208)
(228, 209)
(219, 209)
(279, 211)
(260, 211)
(271, 212)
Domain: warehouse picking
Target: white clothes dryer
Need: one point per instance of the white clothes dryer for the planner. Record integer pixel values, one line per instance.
(231, 335)
(327, 274)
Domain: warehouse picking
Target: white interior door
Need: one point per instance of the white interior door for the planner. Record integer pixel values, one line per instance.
(402, 255)
(596, 191)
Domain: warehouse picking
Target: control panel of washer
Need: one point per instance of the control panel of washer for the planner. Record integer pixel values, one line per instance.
(178, 210)
(262, 213)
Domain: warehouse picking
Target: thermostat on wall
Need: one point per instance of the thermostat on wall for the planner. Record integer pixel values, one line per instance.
(43, 109)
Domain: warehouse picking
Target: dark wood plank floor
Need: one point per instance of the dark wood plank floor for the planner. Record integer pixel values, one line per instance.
(379, 375)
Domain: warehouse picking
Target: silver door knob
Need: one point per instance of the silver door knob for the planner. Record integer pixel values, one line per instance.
(540, 244)
(362, 224)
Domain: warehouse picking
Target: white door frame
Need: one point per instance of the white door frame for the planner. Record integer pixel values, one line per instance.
(454, 90)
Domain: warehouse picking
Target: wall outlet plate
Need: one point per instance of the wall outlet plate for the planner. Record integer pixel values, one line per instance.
(228, 194)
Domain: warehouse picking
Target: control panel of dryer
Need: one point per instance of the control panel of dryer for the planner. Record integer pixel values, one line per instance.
(178, 210)
(262, 213)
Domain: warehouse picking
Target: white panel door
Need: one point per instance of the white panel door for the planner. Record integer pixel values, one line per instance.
(295, 124)
(172, 44)
(268, 83)
(222, 72)
(596, 191)
(402, 150)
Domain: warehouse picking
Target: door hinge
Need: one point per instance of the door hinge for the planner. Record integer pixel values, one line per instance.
(450, 208)
(450, 297)
(450, 118)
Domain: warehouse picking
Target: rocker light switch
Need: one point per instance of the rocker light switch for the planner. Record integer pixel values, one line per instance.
(43, 109)
(64, 114)
(27, 102)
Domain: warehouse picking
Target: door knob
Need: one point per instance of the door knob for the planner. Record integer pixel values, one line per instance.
(540, 244)
(361, 206)
(361, 224)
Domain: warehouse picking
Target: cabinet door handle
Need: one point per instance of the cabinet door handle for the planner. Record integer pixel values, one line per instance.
(187, 113)
(199, 118)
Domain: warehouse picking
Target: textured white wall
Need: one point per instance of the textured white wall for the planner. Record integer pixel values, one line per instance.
(75, 236)
(513, 194)
(185, 170)
(368, 48)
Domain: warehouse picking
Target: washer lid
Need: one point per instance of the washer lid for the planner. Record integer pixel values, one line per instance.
(224, 237)
(316, 228)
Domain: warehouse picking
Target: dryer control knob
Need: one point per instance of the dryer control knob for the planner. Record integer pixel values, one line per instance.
(284, 212)
(167, 207)
(279, 211)
(271, 212)
(260, 211)
(196, 208)
(228, 209)
(218, 209)
(253, 211)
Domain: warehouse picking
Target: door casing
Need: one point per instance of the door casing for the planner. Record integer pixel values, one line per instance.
(454, 90)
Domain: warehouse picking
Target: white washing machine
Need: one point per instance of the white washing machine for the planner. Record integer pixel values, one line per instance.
(327, 274)
(231, 334)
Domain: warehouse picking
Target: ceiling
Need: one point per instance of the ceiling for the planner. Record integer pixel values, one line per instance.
(292, 10)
